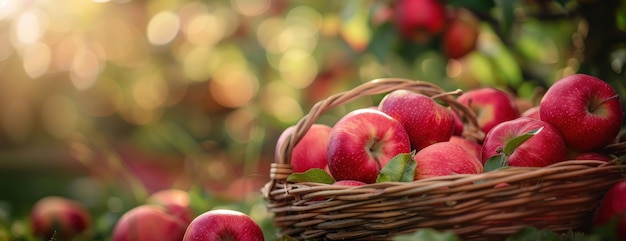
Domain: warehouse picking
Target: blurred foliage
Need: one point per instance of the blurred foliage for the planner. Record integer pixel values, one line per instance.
(106, 101)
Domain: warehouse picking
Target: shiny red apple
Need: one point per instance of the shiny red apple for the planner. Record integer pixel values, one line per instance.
(542, 149)
(426, 121)
(445, 158)
(491, 105)
(362, 142)
(310, 151)
(223, 225)
(148, 222)
(586, 110)
(613, 206)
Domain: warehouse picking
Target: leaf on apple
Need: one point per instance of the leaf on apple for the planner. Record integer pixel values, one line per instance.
(400, 168)
(317, 175)
(427, 234)
(500, 160)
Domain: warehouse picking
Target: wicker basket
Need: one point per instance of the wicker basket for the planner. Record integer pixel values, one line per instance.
(560, 197)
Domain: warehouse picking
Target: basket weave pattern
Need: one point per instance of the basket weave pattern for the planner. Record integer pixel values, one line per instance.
(487, 206)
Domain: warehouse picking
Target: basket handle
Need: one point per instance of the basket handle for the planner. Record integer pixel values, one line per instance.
(373, 87)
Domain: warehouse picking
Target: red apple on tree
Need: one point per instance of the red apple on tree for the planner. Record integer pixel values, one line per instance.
(425, 120)
(613, 208)
(543, 148)
(310, 152)
(492, 106)
(176, 202)
(148, 222)
(223, 225)
(586, 110)
(362, 142)
(445, 158)
(419, 20)
(59, 218)
(461, 34)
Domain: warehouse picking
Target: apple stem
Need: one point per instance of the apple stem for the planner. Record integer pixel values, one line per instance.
(454, 92)
(594, 107)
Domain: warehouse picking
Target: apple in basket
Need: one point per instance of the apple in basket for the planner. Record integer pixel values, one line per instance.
(310, 152)
(492, 106)
(445, 158)
(362, 142)
(585, 109)
(223, 225)
(425, 120)
(613, 209)
(543, 148)
(472, 146)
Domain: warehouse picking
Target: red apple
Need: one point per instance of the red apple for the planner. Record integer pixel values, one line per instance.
(591, 156)
(445, 158)
(310, 152)
(585, 109)
(492, 106)
(223, 225)
(148, 222)
(458, 124)
(472, 146)
(461, 34)
(175, 201)
(425, 120)
(419, 20)
(613, 206)
(348, 183)
(544, 148)
(362, 142)
(532, 112)
(59, 217)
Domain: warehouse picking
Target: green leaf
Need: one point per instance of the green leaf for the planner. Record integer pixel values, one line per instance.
(477, 5)
(496, 162)
(382, 41)
(427, 234)
(533, 234)
(514, 143)
(400, 168)
(506, 15)
(312, 175)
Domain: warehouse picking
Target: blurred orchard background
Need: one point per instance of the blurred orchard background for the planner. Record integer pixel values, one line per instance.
(107, 101)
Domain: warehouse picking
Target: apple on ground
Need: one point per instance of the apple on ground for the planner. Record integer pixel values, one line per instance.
(443, 159)
(223, 225)
(544, 148)
(59, 218)
(425, 121)
(586, 110)
(491, 105)
(419, 20)
(148, 222)
(461, 33)
(362, 142)
(613, 206)
(310, 151)
(175, 201)
(471, 146)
